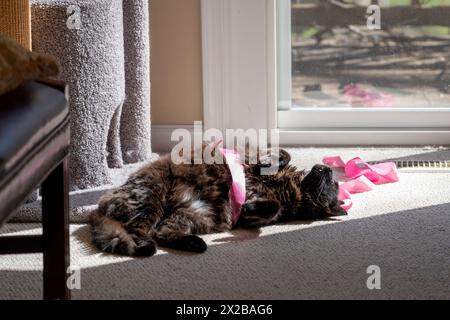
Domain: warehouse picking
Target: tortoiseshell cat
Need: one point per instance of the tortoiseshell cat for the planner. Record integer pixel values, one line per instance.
(169, 205)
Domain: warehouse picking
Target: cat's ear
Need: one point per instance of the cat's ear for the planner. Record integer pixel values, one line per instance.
(282, 157)
(285, 158)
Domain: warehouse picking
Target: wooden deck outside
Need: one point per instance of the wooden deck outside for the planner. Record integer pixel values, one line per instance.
(398, 58)
(330, 15)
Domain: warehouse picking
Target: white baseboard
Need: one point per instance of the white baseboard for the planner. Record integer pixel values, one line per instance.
(161, 135)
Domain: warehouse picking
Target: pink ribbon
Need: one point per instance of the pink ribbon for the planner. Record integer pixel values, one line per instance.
(367, 98)
(357, 176)
(237, 191)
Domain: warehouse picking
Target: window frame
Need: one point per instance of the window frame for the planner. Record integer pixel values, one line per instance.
(240, 87)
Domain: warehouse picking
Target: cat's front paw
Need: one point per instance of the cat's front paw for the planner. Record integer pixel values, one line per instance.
(259, 213)
(262, 209)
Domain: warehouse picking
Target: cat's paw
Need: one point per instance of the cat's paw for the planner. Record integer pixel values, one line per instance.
(192, 243)
(260, 209)
(145, 248)
(259, 213)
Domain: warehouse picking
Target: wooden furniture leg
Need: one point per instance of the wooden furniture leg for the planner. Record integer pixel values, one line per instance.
(55, 225)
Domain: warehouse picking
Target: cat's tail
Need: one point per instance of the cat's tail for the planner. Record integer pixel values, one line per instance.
(110, 235)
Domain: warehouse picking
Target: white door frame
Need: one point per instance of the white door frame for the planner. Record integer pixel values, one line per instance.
(240, 87)
(238, 64)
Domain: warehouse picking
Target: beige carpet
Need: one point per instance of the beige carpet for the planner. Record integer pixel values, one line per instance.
(403, 228)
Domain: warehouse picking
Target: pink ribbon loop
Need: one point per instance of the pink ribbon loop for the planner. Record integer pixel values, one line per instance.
(360, 176)
(237, 192)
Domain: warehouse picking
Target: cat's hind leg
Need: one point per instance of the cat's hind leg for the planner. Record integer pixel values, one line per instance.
(110, 235)
(176, 232)
(125, 219)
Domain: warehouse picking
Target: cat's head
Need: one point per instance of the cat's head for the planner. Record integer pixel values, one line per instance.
(319, 195)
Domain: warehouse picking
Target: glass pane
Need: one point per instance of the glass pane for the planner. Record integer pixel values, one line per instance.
(340, 59)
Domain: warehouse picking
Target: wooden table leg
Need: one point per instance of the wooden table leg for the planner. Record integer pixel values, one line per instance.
(55, 225)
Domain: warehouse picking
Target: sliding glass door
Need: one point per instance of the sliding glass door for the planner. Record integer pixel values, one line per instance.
(348, 64)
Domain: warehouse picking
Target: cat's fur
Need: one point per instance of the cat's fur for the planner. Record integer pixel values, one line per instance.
(169, 205)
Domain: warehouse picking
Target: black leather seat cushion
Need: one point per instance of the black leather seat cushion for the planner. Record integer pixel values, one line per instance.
(27, 115)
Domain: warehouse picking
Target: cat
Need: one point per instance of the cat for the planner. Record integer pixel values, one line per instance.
(169, 204)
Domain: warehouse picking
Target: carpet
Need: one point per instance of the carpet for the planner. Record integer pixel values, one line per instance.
(404, 228)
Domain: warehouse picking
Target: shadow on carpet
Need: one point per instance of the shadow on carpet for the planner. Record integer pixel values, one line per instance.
(319, 262)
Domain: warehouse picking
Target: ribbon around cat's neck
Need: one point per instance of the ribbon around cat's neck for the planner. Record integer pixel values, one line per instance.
(237, 189)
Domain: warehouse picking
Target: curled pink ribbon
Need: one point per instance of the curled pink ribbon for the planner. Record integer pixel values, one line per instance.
(357, 176)
(367, 98)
